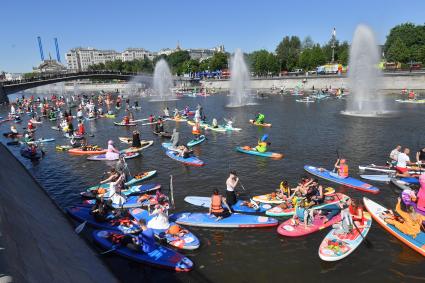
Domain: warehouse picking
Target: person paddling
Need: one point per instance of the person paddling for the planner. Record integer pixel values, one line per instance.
(112, 152)
(262, 144)
(136, 139)
(403, 161)
(259, 119)
(175, 138)
(143, 242)
(394, 155)
(341, 168)
(231, 183)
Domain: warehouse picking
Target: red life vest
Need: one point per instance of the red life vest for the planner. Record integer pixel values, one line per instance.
(216, 204)
(354, 211)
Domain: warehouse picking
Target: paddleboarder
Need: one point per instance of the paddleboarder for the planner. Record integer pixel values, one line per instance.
(231, 183)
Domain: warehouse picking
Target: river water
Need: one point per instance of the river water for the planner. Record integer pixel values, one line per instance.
(306, 134)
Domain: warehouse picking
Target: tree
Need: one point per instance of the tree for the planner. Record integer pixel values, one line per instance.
(288, 51)
(311, 58)
(219, 61)
(190, 66)
(307, 43)
(407, 33)
(398, 52)
(176, 60)
(204, 65)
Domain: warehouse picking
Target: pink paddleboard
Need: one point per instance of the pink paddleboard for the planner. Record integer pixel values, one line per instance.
(289, 230)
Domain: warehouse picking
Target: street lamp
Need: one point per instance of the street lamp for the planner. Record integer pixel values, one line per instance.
(333, 40)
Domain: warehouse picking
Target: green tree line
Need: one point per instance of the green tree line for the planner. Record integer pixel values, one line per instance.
(405, 43)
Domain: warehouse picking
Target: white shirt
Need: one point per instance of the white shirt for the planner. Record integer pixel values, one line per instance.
(402, 160)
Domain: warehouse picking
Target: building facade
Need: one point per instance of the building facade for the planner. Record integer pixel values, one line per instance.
(79, 59)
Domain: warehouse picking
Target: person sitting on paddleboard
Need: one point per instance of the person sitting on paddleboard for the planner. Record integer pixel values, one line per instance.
(151, 118)
(160, 217)
(302, 214)
(315, 193)
(259, 118)
(175, 138)
(196, 130)
(144, 241)
(159, 127)
(176, 113)
(214, 123)
(100, 210)
(166, 112)
(342, 169)
(420, 156)
(216, 207)
(394, 155)
(183, 151)
(262, 144)
(284, 192)
(112, 152)
(231, 183)
(403, 161)
(126, 120)
(136, 139)
(408, 223)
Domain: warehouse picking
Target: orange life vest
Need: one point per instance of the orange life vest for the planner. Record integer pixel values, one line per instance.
(343, 170)
(216, 204)
(195, 130)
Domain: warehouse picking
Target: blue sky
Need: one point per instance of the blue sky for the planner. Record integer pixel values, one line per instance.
(249, 25)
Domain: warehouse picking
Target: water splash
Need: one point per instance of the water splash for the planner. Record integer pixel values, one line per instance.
(240, 81)
(364, 76)
(162, 82)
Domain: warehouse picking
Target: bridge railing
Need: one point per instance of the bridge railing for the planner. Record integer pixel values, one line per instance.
(65, 75)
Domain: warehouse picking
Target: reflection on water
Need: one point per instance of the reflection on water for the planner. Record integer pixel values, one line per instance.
(305, 134)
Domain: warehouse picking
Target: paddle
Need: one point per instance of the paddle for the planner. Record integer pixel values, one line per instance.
(172, 192)
(367, 242)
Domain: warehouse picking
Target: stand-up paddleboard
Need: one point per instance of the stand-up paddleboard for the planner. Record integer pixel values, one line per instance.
(144, 144)
(176, 119)
(63, 147)
(139, 177)
(235, 220)
(402, 185)
(123, 124)
(348, 181)
(194, 142)
(260, 125)
(336, 246)
(133, 190)
(82, 150)
(184, 240)
(191, 160)
(388, 169)
(329, 200)
(160, 257)
(249, 150)
(165, 135)
(387, 178)
(288, 228)
(41, 141)
(102, 157)
(412, 101)
(377, 212)
(238, 207)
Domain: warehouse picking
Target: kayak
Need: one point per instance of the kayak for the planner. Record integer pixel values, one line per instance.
(165, 135)
(387, 178)
(132, 190)
(184, 241)
(348, 181)
(238, 207)
(160, 257)
(139, 177)
(194, 142)
(377, 210)
(235, 220)
(249, 150)
(287, 228)
(123, 124)
(260, 125)
(82, 150)
(102, 157)
(41, 141)
(63, 147)
(337, 246)
(144, 144)
(329, 200)
(191, 160)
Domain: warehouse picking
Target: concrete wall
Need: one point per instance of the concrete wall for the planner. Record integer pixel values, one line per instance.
(387, 82)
